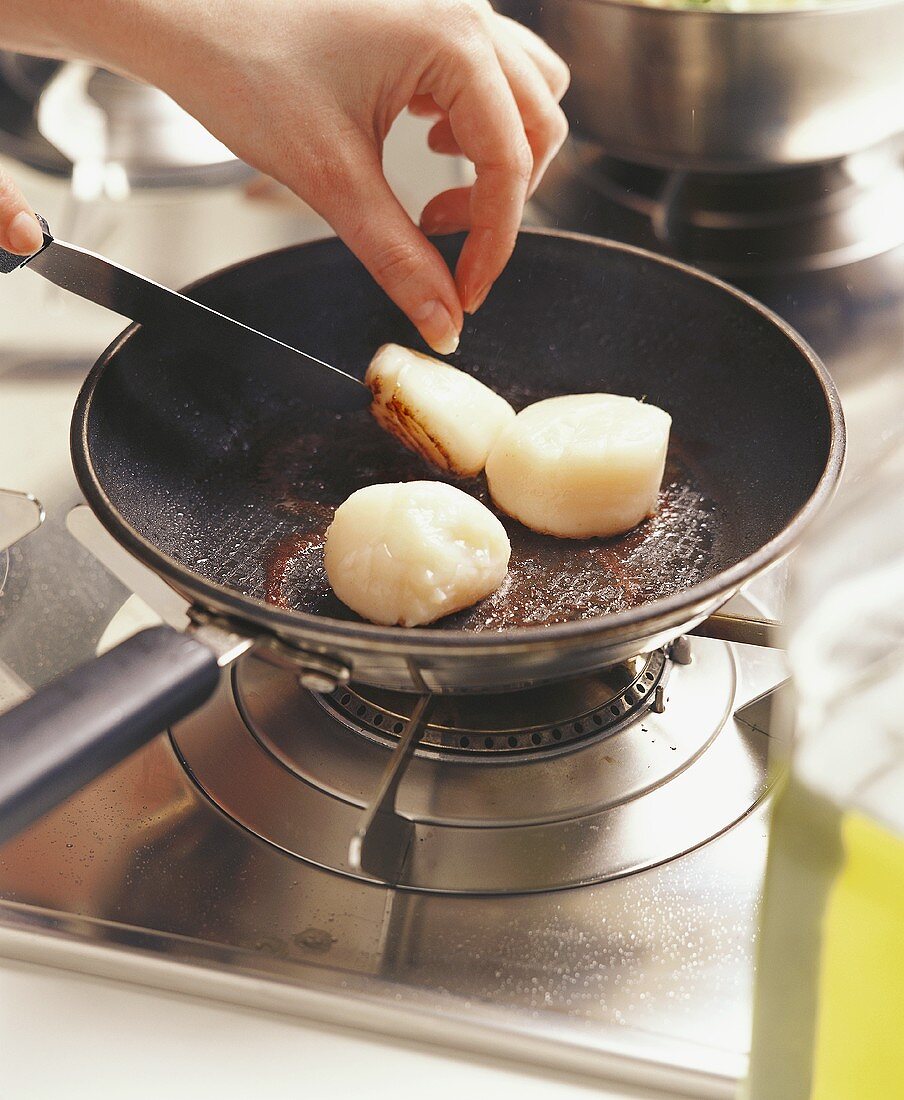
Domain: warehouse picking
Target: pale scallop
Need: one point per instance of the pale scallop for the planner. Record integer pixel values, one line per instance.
(438, 411)
(410, 553)
(581, 466)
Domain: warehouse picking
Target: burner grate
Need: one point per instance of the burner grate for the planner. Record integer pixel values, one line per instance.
(737, 225)
(274, 759)
(533, 721)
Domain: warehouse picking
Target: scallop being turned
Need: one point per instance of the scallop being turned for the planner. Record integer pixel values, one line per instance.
(407, 554)
(435, 409)
(583, 466)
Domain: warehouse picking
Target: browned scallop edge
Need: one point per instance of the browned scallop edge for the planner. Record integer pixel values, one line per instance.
(398, 418)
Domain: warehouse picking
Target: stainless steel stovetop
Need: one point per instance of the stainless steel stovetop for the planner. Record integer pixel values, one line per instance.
(217, 859)
(645, 976)
(587, 902)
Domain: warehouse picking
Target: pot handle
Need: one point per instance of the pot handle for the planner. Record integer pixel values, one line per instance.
(84, 722)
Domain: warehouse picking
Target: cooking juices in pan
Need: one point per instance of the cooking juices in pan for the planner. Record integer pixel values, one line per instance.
(307, 474)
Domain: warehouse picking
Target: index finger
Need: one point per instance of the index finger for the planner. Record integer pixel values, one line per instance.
(487, 125)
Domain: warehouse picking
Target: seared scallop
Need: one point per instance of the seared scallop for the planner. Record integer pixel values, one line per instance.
(581, 466)
(438, 411)
(413, 552)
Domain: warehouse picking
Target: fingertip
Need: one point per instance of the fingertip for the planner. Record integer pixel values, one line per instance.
(23, 234)
(447, 212)
(448, 345)
(481, 261)
(440, 139)
(477, 298)
(438, 325)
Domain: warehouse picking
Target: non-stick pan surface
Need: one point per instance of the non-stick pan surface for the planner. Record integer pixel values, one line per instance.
(227, 488)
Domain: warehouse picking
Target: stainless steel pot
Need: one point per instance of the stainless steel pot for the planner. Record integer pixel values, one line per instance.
(724, 91)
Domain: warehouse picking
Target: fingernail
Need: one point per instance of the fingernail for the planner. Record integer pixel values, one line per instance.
(478, 298)
(24, 233)
(435, 324)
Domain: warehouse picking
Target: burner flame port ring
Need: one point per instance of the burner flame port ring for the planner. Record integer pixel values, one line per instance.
(384, 720)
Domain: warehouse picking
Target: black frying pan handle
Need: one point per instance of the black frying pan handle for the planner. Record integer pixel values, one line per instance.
(12, 261)
(86, 721)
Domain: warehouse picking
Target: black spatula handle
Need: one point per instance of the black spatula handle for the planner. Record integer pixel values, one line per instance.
(86, 721)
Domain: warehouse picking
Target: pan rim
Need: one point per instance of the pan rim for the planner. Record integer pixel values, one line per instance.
(262, 616)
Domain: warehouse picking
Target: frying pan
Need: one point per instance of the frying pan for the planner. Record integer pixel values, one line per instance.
(225, 488)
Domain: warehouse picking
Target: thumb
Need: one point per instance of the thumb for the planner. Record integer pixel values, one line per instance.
(351, 192)
(19, 229)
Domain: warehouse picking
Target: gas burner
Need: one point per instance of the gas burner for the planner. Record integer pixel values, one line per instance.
(628, 792)
(798, 219)
(535, 721)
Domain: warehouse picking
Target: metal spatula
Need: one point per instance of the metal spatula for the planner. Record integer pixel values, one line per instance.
(139, 299)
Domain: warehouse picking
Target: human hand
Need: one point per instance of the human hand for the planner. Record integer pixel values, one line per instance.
(19, 229)
(308, 91)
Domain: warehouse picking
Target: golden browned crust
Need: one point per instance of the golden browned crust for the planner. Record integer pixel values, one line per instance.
(397, 417)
